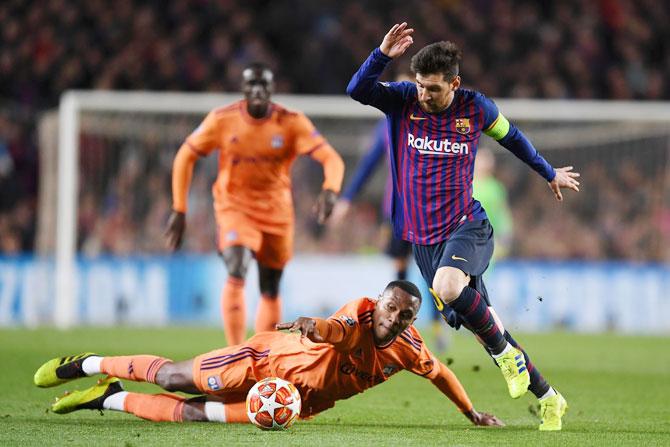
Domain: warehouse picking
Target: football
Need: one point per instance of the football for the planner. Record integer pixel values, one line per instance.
(273, 404)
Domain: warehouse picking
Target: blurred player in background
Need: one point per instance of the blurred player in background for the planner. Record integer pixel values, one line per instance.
(257, 141)
(492, 194)
(434, 129)
(360, 346)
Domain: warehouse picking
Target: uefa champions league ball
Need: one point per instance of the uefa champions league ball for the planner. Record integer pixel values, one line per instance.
(273, 404)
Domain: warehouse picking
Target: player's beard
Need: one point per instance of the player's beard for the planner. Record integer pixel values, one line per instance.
(431, 107)
(257, 107)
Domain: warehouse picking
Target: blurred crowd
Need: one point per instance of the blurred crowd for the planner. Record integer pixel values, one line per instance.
(609, 49)
(617, 49)
(621, 212)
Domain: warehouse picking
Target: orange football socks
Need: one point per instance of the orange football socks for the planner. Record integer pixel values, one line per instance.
(268, 314)
(155, 407)
(236, 412)
(139, 368)
(233, 312)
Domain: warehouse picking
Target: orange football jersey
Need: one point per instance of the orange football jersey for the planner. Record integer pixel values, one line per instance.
(255, 158)
(325, 373)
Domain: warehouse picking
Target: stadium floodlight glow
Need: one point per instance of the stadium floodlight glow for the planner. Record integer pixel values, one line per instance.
(633, 119)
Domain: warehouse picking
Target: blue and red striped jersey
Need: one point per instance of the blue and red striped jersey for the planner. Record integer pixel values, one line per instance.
(432, 156)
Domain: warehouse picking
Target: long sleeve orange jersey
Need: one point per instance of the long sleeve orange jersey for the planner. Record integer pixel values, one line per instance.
(255, 158)
(350, 362)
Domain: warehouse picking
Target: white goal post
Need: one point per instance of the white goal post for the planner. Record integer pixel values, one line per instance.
(74, 103)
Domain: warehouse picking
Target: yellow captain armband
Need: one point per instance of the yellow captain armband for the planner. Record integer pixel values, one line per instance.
(499, 128)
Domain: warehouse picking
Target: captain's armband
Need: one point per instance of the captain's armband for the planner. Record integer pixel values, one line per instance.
(498, 129)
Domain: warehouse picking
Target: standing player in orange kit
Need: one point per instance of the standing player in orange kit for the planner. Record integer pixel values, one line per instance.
(360, 346)
(257, 141)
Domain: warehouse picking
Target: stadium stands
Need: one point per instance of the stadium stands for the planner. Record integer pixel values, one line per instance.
(610, 49)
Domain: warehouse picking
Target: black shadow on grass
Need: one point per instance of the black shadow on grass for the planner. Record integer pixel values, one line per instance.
(391, 426)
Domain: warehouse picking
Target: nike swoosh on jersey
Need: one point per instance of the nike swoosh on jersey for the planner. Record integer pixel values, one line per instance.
(416, 118)
(458, 258)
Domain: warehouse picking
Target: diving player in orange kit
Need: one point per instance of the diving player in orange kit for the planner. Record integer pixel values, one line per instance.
(358, 347)
(257, 142)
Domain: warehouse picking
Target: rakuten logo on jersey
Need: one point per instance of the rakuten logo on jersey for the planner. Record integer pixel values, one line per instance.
(437, 147)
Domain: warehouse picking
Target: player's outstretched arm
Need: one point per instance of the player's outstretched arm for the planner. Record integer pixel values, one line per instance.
(319, 330)
(483, 419)
(564, 179)
(364, 86)
(306, 326)
(447, 382)
(397, 40)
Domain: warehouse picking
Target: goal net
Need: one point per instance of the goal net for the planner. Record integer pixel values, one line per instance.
(110, 179)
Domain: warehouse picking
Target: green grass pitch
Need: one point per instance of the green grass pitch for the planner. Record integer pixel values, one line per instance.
(618, 389)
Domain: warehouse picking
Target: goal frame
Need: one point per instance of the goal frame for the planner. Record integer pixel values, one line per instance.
(74, 102)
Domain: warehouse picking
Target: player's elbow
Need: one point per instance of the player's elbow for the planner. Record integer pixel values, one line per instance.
(338, 163)
(185, 157)
(354, 91)
(351, 88)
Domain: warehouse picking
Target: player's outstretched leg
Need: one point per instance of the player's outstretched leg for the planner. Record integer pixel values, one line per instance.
(513, 368)
(552, 409)
(108, 394)
(474, 311)
(91, 398)
(552, 404)
(138, 368)
(61, 370)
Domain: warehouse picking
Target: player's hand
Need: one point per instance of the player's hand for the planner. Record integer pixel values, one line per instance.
(324, 205)
(174, 232)
(340, 211)
(564, 179)
(306, 326)
(484, 419)
(397, 40)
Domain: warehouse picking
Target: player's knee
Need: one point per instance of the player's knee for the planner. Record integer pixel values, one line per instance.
(270, 289)
(237, 271)
(194, 411)
(170, 378)
(269, 281)
(270, 292)
(449, 286)
(237, 260)
(173, 382)
(163, 376)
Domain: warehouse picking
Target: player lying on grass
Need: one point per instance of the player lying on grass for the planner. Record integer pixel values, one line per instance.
(358, 347)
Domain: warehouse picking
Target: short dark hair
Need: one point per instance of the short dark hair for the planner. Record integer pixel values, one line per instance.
(407, 286)
(439, 57)
(258, 66)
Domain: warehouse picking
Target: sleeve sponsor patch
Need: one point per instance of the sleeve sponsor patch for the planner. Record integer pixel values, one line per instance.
(348, 320)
